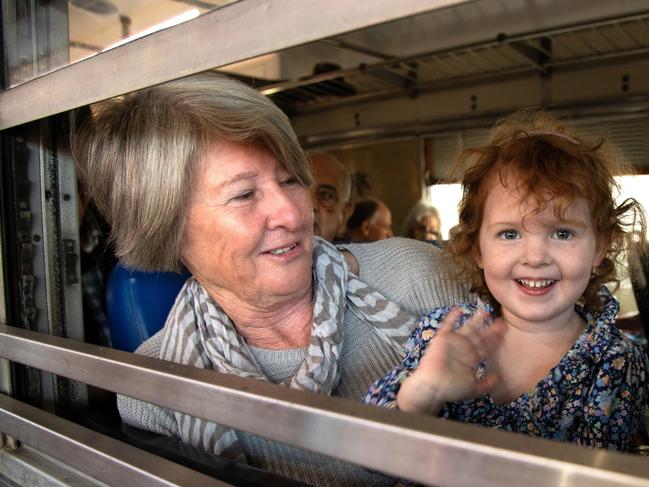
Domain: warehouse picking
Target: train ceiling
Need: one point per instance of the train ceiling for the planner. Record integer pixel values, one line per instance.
(448, 47)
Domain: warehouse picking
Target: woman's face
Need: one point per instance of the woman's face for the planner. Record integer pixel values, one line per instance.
(427, 228)
(249, 230)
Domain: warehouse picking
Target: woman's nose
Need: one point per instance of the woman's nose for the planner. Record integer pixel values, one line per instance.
(286, 208)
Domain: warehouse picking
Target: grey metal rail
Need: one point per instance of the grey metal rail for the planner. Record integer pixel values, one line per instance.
(214, 39)
(99, 456)
(424, 449)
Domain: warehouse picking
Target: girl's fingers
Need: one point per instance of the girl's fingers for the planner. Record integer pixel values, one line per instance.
(476, 323)
(488, 383)
(483, 334)
(448, 324)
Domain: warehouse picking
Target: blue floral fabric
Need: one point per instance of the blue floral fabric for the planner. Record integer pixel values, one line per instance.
(594, 396)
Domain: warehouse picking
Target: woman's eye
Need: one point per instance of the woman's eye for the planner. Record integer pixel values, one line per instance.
(563, 234)
(244, 196)
(290, 181)
(509, 234)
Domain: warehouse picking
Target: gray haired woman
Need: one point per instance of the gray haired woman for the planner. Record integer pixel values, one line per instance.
(206, 173)
(423, 223)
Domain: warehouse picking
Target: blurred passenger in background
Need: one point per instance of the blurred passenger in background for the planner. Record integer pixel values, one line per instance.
(330, 195)
(97, 260)
(370, 221)
(423, 223)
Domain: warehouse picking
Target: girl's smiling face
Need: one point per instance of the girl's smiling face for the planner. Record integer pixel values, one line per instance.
(536, 264)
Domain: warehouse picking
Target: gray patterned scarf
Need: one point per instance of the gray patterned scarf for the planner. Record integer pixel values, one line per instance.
(199, 333)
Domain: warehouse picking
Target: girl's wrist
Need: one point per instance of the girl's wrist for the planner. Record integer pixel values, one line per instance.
(419, 395)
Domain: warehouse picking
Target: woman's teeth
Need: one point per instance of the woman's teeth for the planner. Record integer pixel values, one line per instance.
(536, 283)
(283, 250)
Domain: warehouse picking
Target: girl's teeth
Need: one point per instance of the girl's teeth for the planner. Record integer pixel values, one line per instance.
(536, 284)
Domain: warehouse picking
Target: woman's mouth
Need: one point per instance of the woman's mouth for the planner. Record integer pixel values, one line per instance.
(283, 250)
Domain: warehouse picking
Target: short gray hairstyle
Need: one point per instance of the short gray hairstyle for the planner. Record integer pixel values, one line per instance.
(139, 155)
(416, 213)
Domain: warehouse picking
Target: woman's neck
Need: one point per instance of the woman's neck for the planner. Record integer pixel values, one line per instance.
(282, 324)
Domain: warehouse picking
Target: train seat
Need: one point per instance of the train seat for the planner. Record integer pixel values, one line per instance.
(137, 303)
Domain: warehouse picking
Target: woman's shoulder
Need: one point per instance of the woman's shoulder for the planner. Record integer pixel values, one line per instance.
(411, 252)
(151, 347)
(411, 273)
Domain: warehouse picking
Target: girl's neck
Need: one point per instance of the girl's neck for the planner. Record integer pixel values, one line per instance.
(284, 324)
(567, 325)
(528, 352)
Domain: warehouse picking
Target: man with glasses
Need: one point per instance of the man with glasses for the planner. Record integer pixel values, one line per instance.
(330, 195)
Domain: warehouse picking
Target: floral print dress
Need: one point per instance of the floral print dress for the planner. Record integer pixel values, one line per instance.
(594, 396)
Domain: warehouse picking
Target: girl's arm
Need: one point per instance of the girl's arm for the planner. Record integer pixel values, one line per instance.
(442, 369)
(613, 408)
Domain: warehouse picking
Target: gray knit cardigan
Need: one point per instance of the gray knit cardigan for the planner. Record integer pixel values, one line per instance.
(407, 272)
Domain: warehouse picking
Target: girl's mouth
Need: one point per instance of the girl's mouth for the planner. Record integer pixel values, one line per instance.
(536, 283)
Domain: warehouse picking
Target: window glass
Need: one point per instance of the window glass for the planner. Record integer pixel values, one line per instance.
(42, 36)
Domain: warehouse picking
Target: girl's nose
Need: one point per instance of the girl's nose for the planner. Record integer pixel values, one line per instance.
(535, 252)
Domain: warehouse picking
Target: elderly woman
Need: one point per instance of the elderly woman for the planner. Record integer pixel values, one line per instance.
(206, 173)
(423, 223)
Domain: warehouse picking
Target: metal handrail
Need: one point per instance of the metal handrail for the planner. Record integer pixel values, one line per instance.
(99, 456)
(418, 447)
(217, 38)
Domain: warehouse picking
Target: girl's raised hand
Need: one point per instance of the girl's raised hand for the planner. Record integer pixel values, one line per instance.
(447, 371)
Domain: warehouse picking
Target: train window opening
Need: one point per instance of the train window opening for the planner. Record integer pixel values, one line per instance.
(395, 101)
(70, 31)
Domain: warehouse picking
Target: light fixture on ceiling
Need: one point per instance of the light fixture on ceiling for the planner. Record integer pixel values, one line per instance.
(178, 19)
(101, 7)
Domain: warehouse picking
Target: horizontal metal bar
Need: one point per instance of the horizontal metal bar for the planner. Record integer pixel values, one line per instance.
(214, 39)
(599, 57)
(422, 448)
(437, 54)
(619, 107)
(99, 456)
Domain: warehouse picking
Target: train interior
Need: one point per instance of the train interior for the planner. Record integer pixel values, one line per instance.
(395, 101)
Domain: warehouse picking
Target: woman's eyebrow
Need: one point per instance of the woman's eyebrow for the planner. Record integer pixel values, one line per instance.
(237, 178)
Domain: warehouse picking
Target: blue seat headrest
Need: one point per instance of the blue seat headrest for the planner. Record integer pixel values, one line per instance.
(137, 303)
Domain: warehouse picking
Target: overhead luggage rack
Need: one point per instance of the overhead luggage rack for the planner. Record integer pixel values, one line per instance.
(602, 41)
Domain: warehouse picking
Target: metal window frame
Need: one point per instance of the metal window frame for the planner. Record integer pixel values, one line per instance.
(214, 39)
(418, 447)
(99, 456)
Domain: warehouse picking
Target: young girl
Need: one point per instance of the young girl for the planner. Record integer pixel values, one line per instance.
(538, 352)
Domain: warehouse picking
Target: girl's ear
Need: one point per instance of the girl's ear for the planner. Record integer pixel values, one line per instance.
(603, 244)
(477, 257)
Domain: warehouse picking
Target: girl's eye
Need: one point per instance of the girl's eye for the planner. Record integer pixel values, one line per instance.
(563, 234)
(508, 234)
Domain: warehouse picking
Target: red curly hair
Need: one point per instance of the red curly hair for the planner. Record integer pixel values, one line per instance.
(550, 163)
